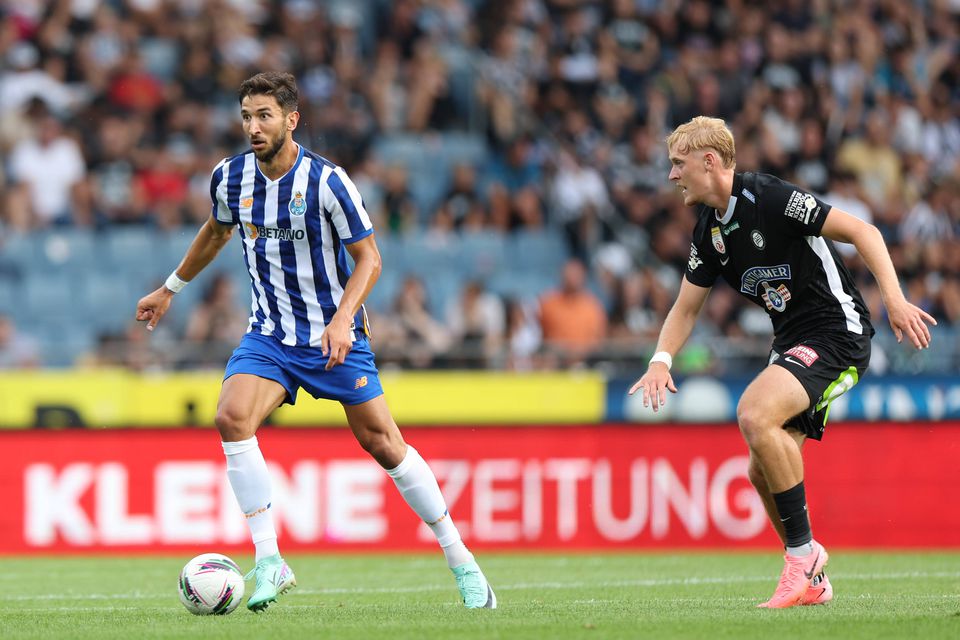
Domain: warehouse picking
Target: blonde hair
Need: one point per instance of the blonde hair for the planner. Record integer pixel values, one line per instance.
(704, 133)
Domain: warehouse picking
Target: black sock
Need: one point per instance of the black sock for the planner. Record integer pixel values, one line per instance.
(792, 507)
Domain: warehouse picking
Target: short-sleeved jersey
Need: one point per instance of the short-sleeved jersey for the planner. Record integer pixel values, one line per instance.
(293, 232)
(767, 246)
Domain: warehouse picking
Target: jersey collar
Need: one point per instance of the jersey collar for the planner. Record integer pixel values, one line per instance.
(732, 203)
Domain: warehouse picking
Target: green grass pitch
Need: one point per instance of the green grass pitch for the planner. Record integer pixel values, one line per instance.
(391, 597)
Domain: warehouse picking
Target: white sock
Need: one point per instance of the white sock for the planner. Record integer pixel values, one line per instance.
(247, 471)
(801, 551)
(419, 488)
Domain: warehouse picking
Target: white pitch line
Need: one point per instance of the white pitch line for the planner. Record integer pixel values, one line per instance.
(652, 582)
(863, 596)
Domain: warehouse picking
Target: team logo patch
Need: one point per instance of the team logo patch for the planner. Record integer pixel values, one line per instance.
(804, 353)
(252, 232)
(298, 205)
(246, 203)
(718, 240)
(360, 382)
(775, 299)
(803, 207)
(753, 276)
(757, 238)
(694, 260)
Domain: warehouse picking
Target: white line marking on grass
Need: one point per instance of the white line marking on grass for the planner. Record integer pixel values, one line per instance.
(519, 586)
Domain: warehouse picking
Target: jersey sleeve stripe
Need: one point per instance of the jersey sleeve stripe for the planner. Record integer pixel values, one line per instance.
(317, 231)
(259, 321)
(352, 219)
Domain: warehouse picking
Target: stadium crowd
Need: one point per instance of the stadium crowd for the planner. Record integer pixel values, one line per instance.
(113, 113)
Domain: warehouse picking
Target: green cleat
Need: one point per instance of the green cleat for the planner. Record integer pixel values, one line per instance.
(474, 588)
(274, 577)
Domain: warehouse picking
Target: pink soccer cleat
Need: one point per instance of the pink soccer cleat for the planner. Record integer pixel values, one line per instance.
(820, 591)
(797, 576)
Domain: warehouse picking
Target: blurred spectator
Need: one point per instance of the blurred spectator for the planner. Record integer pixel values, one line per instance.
(412, 333)
(476, 321)
(401, 210)
(462, 200)
(51, 165)
(17, 349)
(579, 198)
(216, 324)
(874, 161)
(524, 337)
(929, 220)
(573, 320)
(844, 195)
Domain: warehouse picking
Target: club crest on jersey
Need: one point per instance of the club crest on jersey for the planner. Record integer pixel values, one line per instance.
(775, 299)
(757, 238)
(718, 240)
(298, 205)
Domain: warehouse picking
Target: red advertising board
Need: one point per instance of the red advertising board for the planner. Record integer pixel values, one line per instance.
(590, 487)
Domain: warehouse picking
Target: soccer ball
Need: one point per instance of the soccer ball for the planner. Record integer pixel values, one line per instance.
(211, 583)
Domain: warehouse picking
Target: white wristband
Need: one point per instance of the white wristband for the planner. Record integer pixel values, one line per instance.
(174, 283)
(664, 357)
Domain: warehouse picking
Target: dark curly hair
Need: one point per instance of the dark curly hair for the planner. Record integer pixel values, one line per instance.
(280, 85)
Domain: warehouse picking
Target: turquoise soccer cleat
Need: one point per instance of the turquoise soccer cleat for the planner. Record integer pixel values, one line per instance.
(474, 588)
(274, 577)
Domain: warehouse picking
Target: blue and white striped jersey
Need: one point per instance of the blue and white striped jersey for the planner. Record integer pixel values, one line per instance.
(293, 231)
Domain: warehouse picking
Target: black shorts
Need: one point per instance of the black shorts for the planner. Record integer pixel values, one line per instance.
(827, 366)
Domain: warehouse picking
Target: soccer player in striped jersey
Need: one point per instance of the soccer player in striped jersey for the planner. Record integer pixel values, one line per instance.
(771, 241)
(298, 216)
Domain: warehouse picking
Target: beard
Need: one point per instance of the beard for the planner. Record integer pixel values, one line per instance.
(269, 153)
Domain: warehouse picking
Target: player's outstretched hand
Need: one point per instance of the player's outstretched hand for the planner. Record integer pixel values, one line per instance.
(153, 305)
(655, 384)
(909, 319)
(336, 342)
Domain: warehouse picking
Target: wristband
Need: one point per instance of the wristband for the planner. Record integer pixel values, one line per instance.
(174, 283)
(664, 357)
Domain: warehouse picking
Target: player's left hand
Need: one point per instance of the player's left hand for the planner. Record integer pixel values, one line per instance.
(909, 319)
(336, 342)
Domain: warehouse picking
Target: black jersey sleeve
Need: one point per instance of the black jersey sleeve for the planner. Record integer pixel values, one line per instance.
(702, 269)
(792, 209)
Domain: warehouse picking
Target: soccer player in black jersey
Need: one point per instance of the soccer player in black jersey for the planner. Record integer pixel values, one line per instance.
(771, 241)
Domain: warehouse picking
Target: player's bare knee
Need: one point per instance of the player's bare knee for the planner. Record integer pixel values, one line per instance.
(753, 422)
(232, 426)
(382, 448)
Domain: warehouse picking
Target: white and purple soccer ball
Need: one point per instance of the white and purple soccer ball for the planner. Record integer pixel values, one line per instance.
(211, 584)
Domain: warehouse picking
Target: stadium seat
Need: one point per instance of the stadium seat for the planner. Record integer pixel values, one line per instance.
(65, 250)
(481, 254)
(541, 251)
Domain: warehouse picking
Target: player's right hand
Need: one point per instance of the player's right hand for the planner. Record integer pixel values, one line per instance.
(655, 384)
(152, 306)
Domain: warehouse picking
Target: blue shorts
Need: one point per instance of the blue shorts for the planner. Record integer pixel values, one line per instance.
(353, 382)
